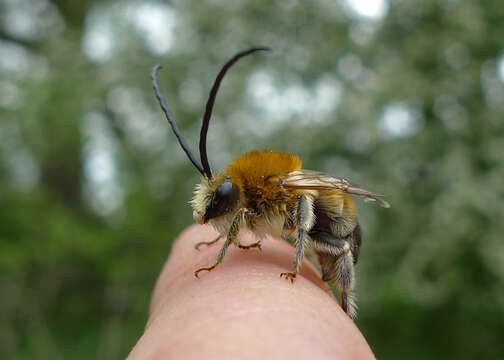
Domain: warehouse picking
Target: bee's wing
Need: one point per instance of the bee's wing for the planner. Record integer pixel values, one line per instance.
(308, 179)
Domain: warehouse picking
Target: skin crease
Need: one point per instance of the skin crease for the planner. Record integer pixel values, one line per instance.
(243, 309)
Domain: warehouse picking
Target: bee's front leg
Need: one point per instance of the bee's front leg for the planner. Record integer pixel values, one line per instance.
(207, 243)
(304, 222)
(231, 237)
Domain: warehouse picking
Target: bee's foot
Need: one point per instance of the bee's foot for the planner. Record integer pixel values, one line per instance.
(247, 247)
(210, 268)
(289, 276)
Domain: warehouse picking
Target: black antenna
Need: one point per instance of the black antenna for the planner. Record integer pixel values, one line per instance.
(172, 122)
(210, 104)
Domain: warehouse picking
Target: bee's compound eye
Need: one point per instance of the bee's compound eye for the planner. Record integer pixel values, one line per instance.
(223, 200)
(225, 190)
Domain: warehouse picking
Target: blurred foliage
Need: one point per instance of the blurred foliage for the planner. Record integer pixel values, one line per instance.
(408, 101)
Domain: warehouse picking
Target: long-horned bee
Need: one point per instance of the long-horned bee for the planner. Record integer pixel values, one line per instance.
(270, 193)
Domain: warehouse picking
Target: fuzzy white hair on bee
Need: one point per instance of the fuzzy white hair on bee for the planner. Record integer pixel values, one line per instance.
(269, 192)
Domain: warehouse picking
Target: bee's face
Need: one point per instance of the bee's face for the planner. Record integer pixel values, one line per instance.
(214, 198)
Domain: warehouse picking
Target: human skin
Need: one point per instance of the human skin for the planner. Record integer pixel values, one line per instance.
(243, 309)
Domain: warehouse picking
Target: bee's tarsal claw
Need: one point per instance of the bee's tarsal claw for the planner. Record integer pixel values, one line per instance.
(289, 276)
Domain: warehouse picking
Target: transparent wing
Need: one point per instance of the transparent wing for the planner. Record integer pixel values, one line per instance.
(308, 179)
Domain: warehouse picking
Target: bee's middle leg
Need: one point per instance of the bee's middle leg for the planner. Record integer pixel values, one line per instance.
(257, 244)
(231, 237)
(248, 218)
(304, 221)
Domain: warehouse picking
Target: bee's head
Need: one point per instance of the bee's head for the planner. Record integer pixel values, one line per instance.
(214, 198)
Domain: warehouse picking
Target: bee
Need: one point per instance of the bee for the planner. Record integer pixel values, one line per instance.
(270, 193)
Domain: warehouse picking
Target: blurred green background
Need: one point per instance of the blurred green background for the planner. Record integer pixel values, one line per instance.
(405, 97)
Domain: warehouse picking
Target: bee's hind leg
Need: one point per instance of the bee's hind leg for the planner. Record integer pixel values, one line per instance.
(207, 243)
(231, 237)
(337, 263)
(304, 221)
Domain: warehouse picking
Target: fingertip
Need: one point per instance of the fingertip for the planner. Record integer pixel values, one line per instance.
(246, 300)
(274, 257)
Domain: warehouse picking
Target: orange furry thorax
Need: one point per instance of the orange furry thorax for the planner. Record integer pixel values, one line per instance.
(257, 166)
(258, 172)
